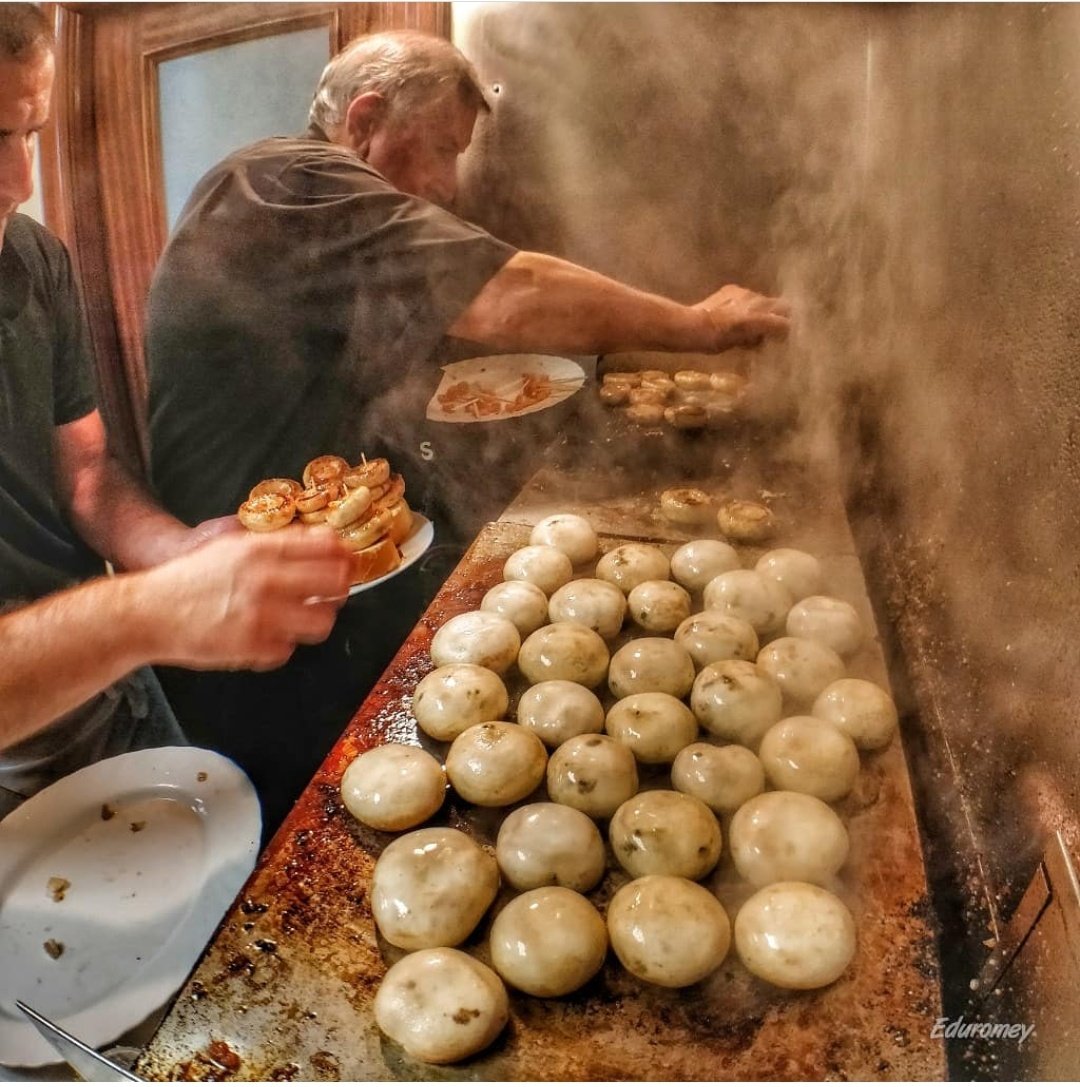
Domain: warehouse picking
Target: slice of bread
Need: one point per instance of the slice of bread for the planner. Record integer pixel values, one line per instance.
(373, 562)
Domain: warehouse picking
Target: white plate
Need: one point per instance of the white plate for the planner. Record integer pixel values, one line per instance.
(494, 387)
(148, 886)
(414, 545)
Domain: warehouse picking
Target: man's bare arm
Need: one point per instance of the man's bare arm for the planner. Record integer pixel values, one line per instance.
(111, 509)
(537, 302)
(241, 601)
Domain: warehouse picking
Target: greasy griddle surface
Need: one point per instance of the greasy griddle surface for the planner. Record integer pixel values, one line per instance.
(285, 990)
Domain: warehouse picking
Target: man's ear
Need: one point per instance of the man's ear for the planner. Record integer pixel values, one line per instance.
(365, 113)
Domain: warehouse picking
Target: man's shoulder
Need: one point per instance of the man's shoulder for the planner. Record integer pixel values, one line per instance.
(285, 152)
(38, 247)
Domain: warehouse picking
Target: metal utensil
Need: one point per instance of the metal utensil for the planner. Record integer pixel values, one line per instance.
(89, 1064)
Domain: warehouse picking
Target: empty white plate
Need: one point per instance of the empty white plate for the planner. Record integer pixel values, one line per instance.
(112, 881)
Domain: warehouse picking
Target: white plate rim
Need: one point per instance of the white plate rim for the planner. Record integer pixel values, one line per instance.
(232, 823)
(413, 546)
(513, 366)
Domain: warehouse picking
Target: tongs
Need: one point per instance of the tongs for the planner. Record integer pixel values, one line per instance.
(86, 1061)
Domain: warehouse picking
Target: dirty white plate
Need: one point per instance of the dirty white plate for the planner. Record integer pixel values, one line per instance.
(154, 846)
(484, 390)
(414, 545)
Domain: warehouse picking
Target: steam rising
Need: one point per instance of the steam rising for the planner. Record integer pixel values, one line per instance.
(905, 175)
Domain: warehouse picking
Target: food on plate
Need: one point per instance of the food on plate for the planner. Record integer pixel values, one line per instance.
(655, 726)
(631, 564)
(449, 700)
(592, 602)
(824, 619)
(862, 709)
(713, 636)
(645, 414)
(809, 755)
(795, 935)
(802, 669)
(594, 774)
(736, 701)
(441, 1005)
(342, 512)
(309, 503)
(665, 833)
(796, 571)
(480, 400)
(569, 533)
(747, 522)
(476, 637)
(783, 835)
(368, 473)
(651, 664)
(658, 606)
(567, 651)
(748, 595)
(546, 844)
(548, 942)
(393, 787)
(364, 503)
(495, 763)
(267, 512)
(686, 506)
(53, 948)
(686, 416)
(696, 563)
(557, 709)
(694, 380)
(523, 603)
(545, 567)
(287, 488)
(668, 931)
(326, 469)
(723, 778)
(430, 888)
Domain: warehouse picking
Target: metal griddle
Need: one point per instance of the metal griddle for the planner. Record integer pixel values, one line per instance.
(285, 989)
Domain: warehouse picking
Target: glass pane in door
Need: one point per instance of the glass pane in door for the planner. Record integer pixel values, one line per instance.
(220, 99)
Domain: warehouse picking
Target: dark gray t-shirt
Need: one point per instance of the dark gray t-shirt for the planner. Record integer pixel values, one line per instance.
(298, 298)
(46, 380)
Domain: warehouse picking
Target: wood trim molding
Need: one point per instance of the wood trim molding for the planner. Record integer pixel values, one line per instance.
(74, 203)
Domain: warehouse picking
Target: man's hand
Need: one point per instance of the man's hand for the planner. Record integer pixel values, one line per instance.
(247, 600)
(742, 318)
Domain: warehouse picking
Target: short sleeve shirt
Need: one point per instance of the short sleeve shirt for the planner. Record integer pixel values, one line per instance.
(297, 297)
(46, 380)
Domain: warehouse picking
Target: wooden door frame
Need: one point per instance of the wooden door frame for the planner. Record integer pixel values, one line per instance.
(101, 173)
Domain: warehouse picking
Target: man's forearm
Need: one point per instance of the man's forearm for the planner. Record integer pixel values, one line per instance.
(115, 514)
(540, 302)
(65, 648)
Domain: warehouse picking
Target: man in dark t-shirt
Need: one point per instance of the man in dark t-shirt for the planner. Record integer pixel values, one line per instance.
(73, 683)
(301, 300)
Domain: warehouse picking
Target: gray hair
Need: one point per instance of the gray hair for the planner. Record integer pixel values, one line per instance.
(404, 66)
(24, 28)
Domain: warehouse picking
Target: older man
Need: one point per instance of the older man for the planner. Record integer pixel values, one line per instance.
(308, 279)
(298, 310)
(72, 689)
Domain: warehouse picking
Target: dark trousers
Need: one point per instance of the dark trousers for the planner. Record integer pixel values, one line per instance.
(280, 725)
